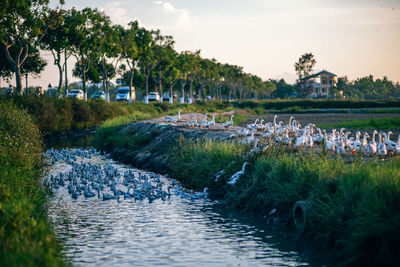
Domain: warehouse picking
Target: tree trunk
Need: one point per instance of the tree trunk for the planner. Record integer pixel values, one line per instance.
(84, 83)
(160, 86)
(17, 70)
(171, 95)
(66, 73)
(131, 85)
(26, 82)
(190, 92)
(182, 100)
(104, 79)
(146, 97)
(60, 71)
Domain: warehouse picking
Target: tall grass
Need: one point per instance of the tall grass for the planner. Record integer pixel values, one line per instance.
(195, 163)
(26, 238)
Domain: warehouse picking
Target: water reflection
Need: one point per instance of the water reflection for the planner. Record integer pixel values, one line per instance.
(175, 232)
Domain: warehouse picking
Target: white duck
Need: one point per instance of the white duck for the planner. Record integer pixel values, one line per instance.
(228, 123)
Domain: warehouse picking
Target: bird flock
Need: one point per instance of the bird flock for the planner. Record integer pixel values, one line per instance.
(85, 179)
(339, 141)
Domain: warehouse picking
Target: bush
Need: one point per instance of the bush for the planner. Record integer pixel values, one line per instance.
(26, 238)
(20, 143)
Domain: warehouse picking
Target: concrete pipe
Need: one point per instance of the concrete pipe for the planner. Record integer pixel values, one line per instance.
(301, 214)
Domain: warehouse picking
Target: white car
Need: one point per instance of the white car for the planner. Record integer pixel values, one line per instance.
(76, 93)
(154, 96)
(123, 94)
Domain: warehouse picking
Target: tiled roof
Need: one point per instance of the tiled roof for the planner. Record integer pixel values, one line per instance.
(317, 74)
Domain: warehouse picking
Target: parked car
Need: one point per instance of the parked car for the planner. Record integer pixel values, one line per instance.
(154, 96)
(99, 95)
(166, 96)
(123, 94)
(75, 93)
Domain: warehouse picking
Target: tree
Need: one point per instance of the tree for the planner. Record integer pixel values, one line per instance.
(108, 48)
(57, 42)
(283, 90)
(145, 44)
(129, 50)
(84, 38)
(23, 23)
(163, 52)
(304, 68)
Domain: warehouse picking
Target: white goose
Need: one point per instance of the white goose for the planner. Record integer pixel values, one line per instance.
(330, 145)
(202, 122)
(356, 145)
(381, 147)
(174, 119)
(390, 144)
(211, 122)
(397, 148)
(371, 147)
(193, 122)
(237, 175)
(228, 123)
(250, 139)
(340, 149)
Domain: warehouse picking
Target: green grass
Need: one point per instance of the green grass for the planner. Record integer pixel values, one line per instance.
(26, 238)
(367, 124)
(196, 162)
(237, 119)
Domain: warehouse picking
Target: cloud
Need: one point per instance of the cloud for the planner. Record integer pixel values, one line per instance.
(181, 16)
(117, 13)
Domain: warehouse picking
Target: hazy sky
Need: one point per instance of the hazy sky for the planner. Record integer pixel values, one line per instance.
(347, 37)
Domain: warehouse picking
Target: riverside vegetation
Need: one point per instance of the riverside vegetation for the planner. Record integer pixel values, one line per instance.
(25, 234)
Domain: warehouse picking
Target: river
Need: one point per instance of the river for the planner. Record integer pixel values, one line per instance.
(174, 232)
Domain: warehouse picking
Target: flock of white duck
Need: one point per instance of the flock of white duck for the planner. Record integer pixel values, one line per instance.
(106, 181)
(264, 134)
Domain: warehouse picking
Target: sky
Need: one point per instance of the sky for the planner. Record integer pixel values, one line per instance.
(347, 37)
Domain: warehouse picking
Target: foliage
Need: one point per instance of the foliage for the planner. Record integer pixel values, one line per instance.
(26, 238)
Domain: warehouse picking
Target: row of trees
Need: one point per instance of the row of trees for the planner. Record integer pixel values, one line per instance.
(102, 50)
(145, 59)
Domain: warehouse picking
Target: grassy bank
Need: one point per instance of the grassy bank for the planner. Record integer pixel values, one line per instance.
(355, 207)
(368, 124)
(26, 238)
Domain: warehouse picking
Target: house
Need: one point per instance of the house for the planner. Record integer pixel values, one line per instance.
(319, 85)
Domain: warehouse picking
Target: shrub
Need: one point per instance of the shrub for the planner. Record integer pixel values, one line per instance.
(20, 143)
